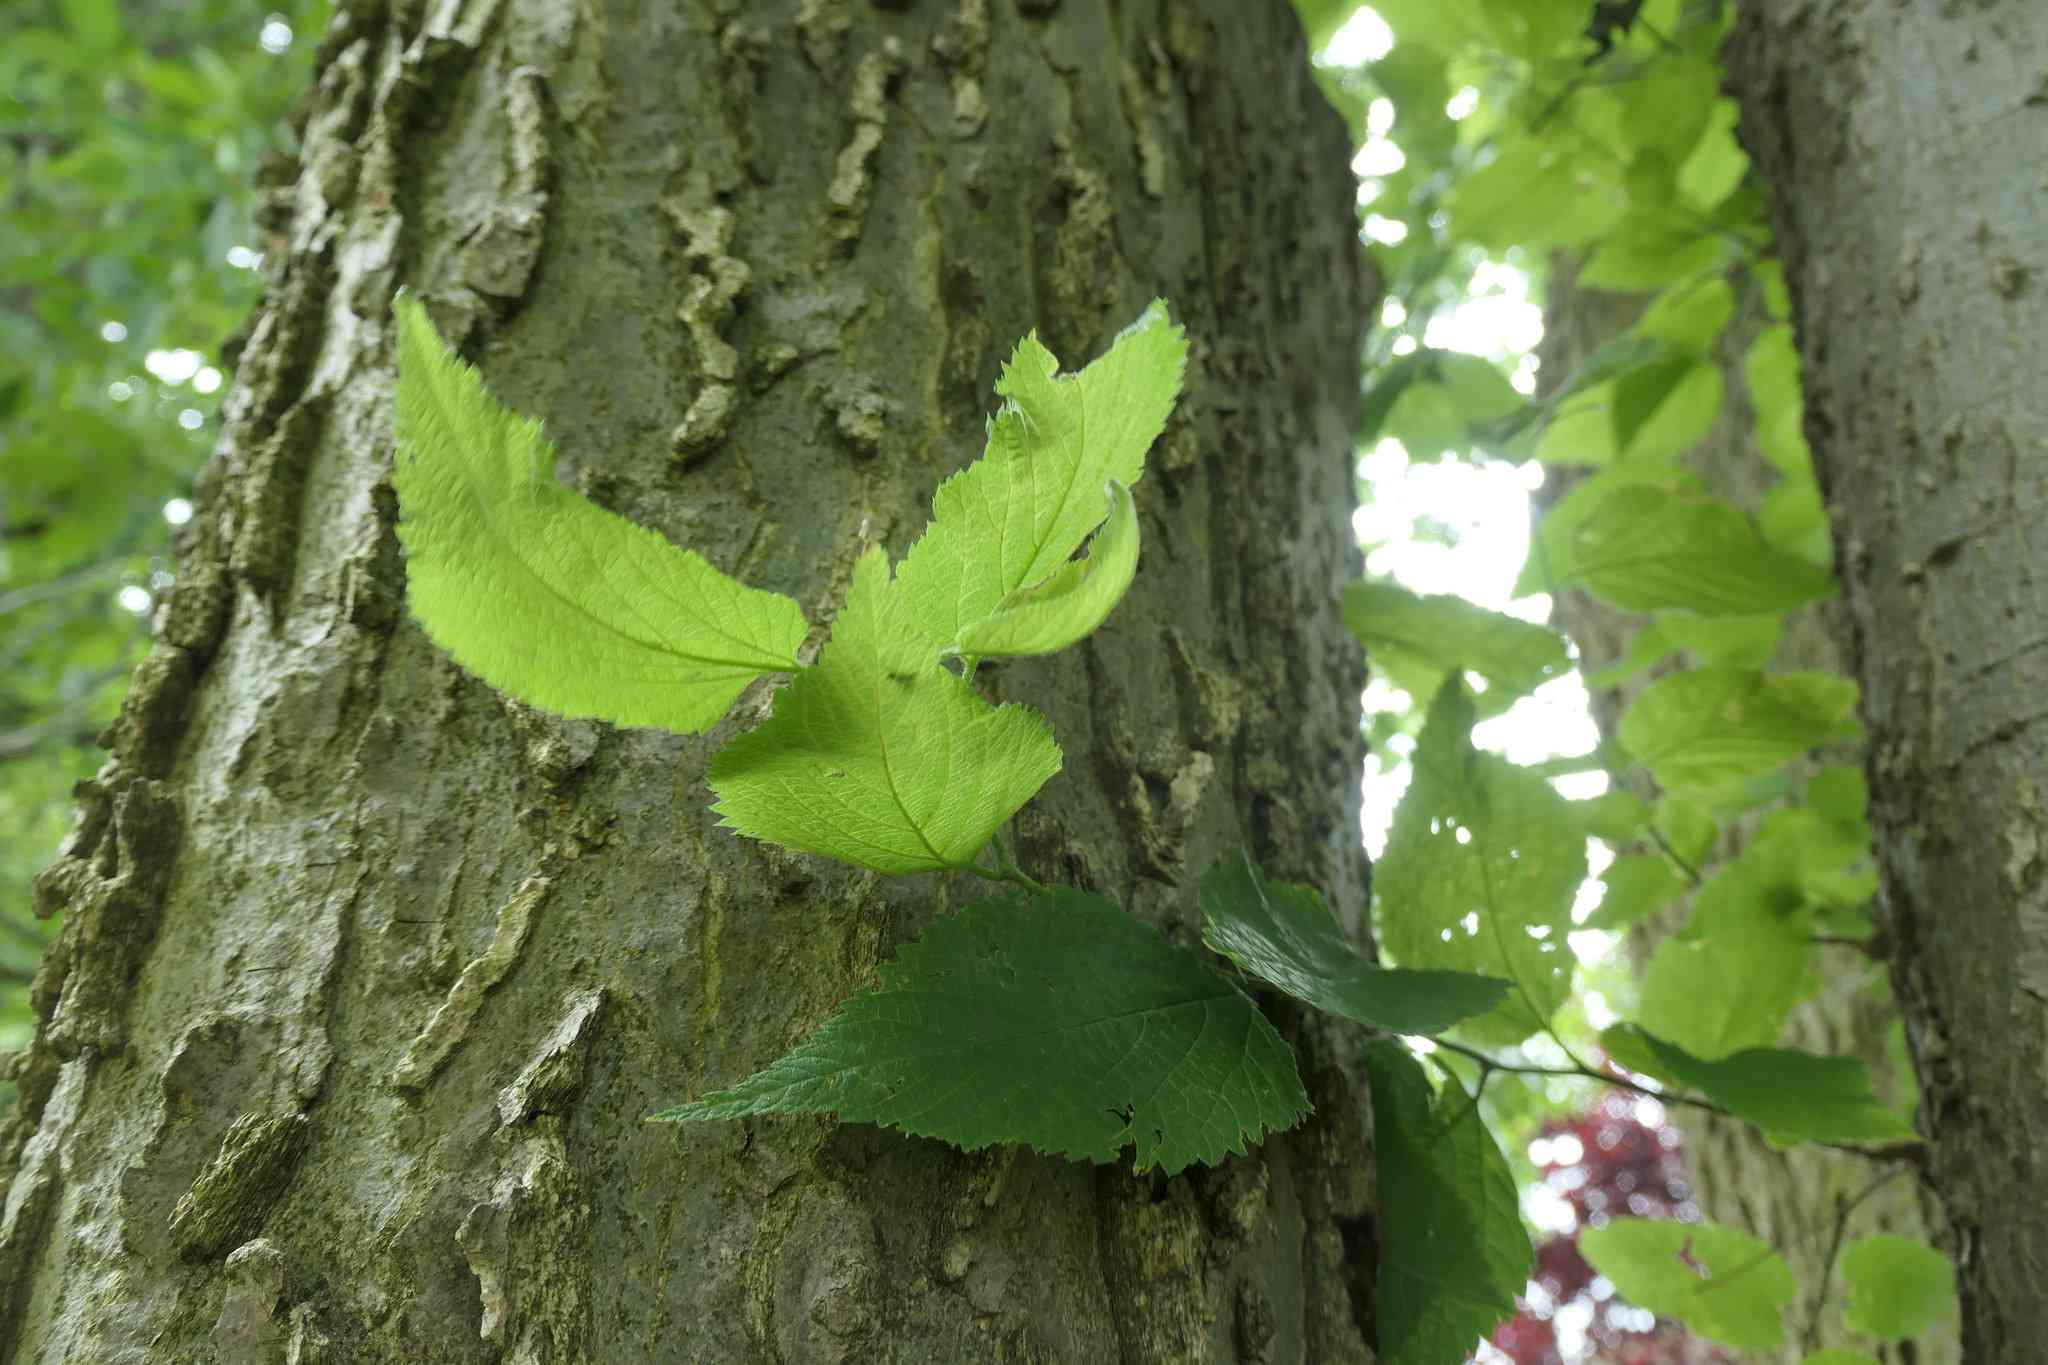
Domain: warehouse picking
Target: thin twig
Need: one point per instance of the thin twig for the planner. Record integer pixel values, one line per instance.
(1911, 1153)
(1486, 1069)
(1579, 1070)
(1692, 874)
(1843, 1208)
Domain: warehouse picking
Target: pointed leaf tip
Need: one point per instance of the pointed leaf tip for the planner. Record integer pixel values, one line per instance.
(1013, 518)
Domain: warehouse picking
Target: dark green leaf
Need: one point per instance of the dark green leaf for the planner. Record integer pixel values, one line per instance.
(1425, 419)
(1580, 430)
(1795, 1096)
(1453, 1254)
(1285, 935)
(1389, 382)
(1059, 1022)
(1681, 421)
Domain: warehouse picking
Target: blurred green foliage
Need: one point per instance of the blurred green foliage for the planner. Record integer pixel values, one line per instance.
(130, 134)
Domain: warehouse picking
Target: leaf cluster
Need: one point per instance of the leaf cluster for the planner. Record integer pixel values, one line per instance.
(1524, 138)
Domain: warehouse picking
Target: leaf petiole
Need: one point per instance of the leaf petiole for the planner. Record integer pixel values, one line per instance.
(1006, 871)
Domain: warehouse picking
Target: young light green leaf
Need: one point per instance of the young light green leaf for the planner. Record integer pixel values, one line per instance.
(1689, 317)
(1637, 886)
(1736, 641)
(1059, 1022)
(1078, 596)
(1685, 826)
(1651, 248)
(1840, 1355)
(1772, 371)
(1641, 392)
(1580, 430)
(1795, 1096)
(1012, 518)
(1898, 1287)
(879, 757)
(1647, 648)
(1534, 193)
(1717, 165)
(1552, 562)
(1794, 518)
(546, 595)
(1617, 815)
(1419, 641)
(1720, 1282)
(1453, 1253)
(1715, 726)
(1645, 548)
(1480, 871)
(1738, 937)
(1285, 935)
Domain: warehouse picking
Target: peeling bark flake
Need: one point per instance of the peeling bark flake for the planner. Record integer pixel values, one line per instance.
(452, 1018)
(548, 1083)
(963, 47)
(852, 180)
(524, 1245)
(499, 259)
(717, 280)
(247, 1331)
(228, 1201)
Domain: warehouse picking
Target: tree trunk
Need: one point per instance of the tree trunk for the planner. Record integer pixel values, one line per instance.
(1904, 144)
(369, 976)
(1804, 1200)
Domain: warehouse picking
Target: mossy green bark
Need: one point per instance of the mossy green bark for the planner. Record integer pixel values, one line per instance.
(756, 267)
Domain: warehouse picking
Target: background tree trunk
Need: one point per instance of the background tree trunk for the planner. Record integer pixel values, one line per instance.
(369, 976)
(1802, 1200)
(1904, 146)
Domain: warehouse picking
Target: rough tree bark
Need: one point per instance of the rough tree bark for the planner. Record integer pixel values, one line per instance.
(369, 976)
(1904, 147)
(1803, 1200)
